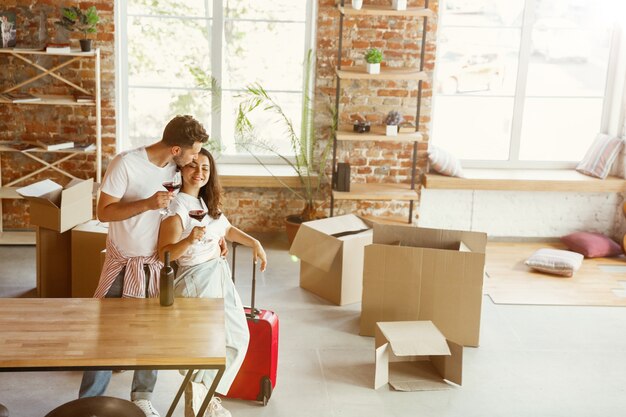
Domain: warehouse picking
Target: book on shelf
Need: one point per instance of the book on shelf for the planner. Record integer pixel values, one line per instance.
(58, 48)
(84, 98)
(27, 49)
(17, 97)
(85, 146)
(55, 145)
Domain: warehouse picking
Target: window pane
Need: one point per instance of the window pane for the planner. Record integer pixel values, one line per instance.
(477, 61)
(559, 129)
(171, 7)
(162, 50)
(266, 10)
(151, 109)
(481, 12)
(269, 127)
(250, 55)
(473, 127)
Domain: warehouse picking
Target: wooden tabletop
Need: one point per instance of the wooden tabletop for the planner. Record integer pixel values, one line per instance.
(110, 333)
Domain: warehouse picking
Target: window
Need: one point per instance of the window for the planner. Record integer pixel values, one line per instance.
(167, 46)
(522, 83)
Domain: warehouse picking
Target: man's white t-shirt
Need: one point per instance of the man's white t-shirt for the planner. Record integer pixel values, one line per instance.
(131, 177)
(215, 229)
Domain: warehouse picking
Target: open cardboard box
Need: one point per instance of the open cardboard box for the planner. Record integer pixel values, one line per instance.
(413, 273)
(331, 255)
(88, 241)
(415, 356)
(59, 208)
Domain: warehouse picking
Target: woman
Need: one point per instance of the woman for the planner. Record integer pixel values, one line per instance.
(202, 272)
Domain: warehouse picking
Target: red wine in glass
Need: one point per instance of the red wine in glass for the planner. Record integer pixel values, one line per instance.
(171, 186)
(197, 214)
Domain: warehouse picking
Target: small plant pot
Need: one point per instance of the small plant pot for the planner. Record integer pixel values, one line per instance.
(392, 130)
(373, 68)
(85, 45)
(357, 4)
(399, 4)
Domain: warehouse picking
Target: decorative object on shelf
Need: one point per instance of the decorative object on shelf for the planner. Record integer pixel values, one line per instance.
(406, 127)
(373, 57)
(357, 4)
(398, 4)
(75, 19)
(343, 177)
(7, 28)
(361, 126)
(55, 144)
(58, 48)
(84, 98)
(393, 121)
(310, 155)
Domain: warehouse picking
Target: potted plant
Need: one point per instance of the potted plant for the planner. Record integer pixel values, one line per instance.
(398, 4)
(309, 154)
(373, 57)
(392, 121)
(357, 4)
(75, 19)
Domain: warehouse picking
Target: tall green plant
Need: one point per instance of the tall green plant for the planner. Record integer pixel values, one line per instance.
(75, 19)
(308, 158)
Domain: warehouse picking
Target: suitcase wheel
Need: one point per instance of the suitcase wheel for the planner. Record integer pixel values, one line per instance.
(266, 390)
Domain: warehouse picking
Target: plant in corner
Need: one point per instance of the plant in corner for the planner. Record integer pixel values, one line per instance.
(373, 57)
(309, 154)
(76, 20)
(393, 121)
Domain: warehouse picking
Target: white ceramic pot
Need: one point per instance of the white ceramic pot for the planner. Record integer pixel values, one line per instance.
(399, 4)
(373, 68)
(392, 130)
(357, 4)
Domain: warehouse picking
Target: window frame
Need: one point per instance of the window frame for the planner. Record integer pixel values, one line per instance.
(217, 21)
(611, 97)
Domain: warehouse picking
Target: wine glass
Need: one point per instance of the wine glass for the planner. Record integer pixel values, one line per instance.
(171, 186)
(199, 215)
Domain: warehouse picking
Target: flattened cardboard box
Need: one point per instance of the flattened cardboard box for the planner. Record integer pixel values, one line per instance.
(413, 273)
(54, 264)
(88, 241)
(415, 356)
(331, 257)
(59, 208)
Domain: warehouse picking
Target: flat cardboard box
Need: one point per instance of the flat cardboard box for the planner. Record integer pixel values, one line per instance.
(332, 266)
(59, 208)
(415, 356)
(413, 273)
(54, 265)
(88, 241)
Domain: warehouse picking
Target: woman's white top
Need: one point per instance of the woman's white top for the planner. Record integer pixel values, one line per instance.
(215, 229)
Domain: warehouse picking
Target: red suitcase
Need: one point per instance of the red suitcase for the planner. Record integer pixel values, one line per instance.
(257, 376)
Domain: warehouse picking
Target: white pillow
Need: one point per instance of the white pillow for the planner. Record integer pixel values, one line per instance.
(600, 156)
(555, 261)
(443, 162)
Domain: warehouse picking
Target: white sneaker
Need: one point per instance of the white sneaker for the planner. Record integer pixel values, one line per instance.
(147, 408)
(215, 409)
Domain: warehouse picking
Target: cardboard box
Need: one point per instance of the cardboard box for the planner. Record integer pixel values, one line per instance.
(59, 208)
(88, 241)
(413, 273)
(54, 263)
(331, 257)
(415, 356)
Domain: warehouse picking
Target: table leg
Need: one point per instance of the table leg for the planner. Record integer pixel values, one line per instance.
(179, 394)
(209, 396)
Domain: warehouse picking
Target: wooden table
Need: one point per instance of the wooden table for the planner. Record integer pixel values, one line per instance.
(113, 333)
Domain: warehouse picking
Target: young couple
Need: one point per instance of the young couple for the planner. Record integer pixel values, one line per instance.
(131, 198)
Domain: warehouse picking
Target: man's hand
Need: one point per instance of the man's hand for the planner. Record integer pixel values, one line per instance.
(159, 200)
(223, 247)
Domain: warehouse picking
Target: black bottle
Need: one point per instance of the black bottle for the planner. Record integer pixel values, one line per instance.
(166, 283)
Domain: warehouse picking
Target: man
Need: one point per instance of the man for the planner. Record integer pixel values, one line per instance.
(131, 198)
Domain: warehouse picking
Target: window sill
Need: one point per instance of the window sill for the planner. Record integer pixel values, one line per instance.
(566, 180)
(257, 176)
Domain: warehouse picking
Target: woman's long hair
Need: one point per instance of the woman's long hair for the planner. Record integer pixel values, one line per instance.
(211, 192)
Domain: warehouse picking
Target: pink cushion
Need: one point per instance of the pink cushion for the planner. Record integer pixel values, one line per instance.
(592, 245)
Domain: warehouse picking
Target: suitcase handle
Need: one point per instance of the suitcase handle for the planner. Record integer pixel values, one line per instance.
(254, 313)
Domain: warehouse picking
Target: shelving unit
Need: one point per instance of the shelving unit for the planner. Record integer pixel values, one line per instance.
(380, 191)
(7, 191)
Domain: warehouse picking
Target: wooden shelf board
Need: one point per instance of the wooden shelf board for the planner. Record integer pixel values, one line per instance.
(377, 133)
(25, 51)
(54, 100)
(17, 238)
(386, 73)
(379, 10)
(377, 192)
(564, 180)
(10, 193)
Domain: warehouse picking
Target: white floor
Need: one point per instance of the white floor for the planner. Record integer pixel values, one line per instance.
(533, 360)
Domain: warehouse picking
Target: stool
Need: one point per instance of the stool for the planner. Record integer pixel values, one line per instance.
(3, 411)
(97, 406)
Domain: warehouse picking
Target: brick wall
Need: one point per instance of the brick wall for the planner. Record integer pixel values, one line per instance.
(250, 209)
(35, 27)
